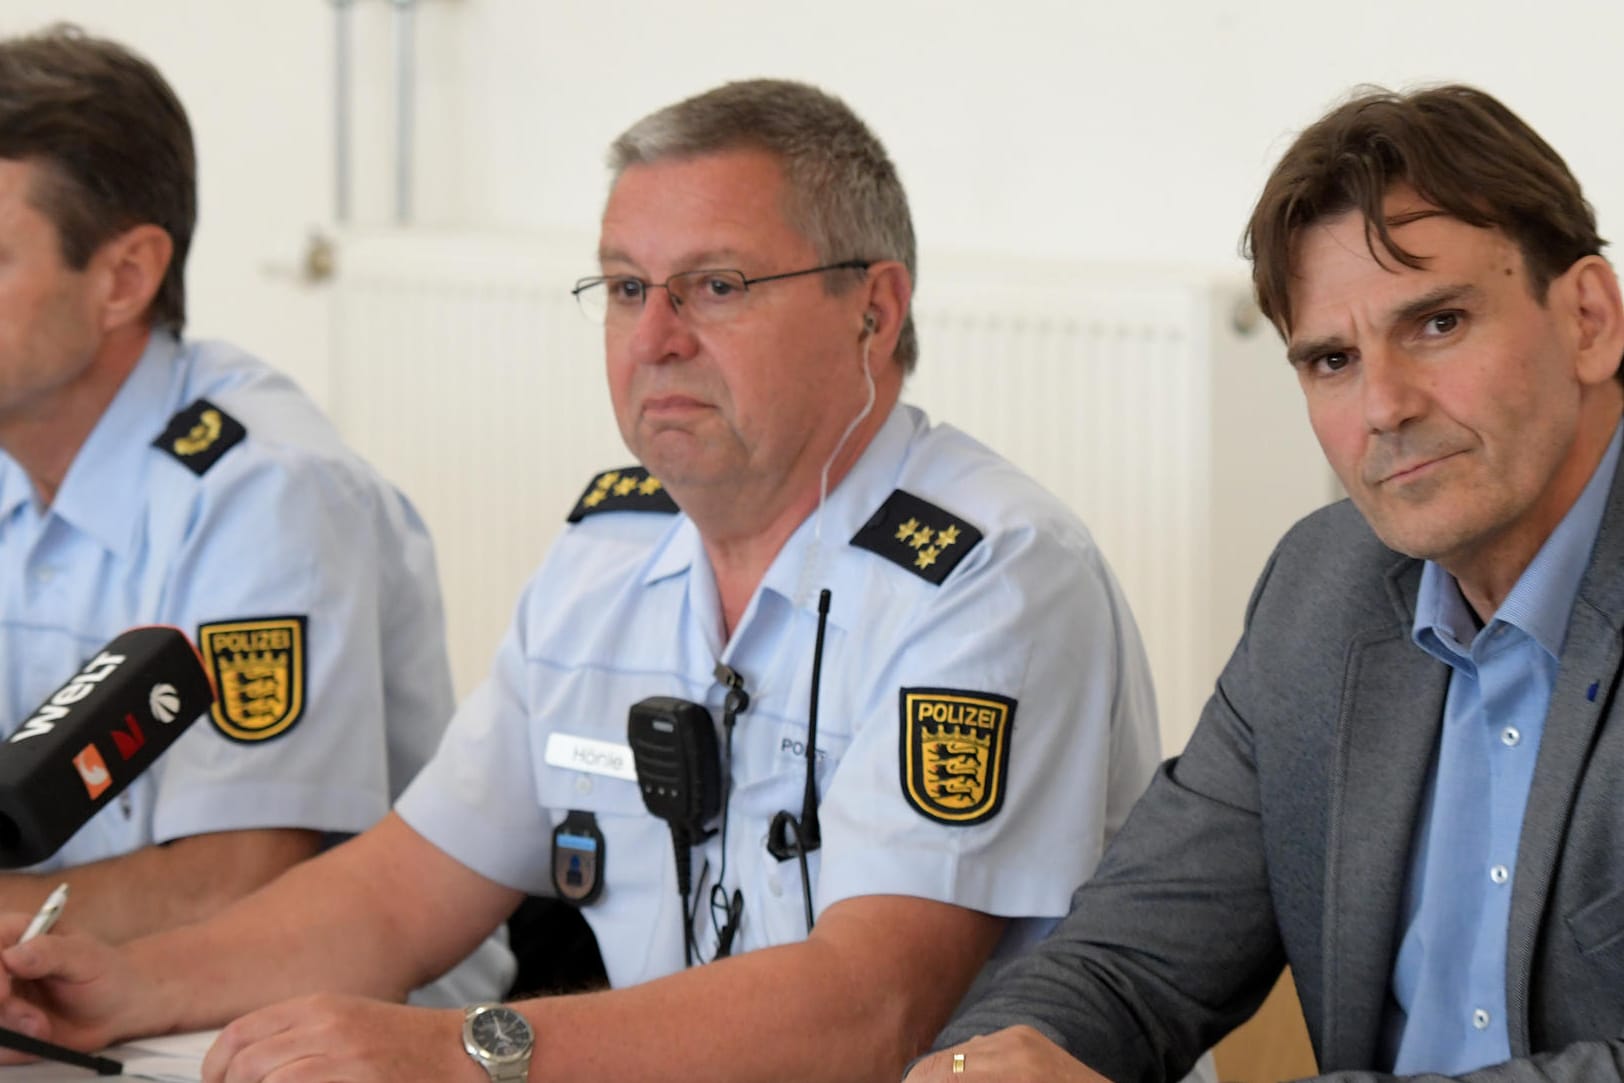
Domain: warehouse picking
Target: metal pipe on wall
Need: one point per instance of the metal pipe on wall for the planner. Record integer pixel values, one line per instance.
(405, 106)
(341, 110)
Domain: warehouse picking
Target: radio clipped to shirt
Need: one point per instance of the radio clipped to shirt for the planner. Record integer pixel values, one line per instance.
(686, 782)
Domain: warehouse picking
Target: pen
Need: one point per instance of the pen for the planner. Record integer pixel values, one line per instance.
(38, 1047)
(47, 915)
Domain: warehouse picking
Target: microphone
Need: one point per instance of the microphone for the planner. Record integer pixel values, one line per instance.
(94, 736)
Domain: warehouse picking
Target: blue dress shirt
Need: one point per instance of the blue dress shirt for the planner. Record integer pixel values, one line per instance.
(1449, 980)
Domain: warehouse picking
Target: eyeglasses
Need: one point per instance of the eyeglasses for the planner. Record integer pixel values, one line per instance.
(707, 296)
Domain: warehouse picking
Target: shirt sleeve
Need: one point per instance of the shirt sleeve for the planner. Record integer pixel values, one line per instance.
(278, 577)
(475, 799)
(1027, 644)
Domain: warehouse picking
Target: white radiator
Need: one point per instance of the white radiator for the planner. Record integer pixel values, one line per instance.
(462, 368)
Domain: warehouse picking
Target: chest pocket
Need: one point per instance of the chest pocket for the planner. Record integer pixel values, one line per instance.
(769, 763)
(769, 777)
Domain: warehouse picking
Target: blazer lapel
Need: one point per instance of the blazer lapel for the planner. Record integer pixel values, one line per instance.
(1586, 686)
(1392, 710)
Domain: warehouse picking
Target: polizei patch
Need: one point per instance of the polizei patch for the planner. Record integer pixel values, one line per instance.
(955, 753)
(259, 669)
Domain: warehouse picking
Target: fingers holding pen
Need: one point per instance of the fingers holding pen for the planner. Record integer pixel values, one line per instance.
(70, 988)
(16, 929)
(17, 1012)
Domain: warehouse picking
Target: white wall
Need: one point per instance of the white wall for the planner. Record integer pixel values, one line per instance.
(1076, 131)
(1081, 130)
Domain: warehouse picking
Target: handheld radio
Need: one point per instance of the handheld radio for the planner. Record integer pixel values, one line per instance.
(679, 773)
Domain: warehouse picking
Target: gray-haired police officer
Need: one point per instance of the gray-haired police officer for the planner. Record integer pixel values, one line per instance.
(985, 714)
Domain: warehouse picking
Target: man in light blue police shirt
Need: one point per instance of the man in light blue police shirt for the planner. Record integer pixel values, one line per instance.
(144, 479)
(984, 718)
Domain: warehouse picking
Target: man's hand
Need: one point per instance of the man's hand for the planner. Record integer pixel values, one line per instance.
(1014, 1055)
(71, 989)
(328, 1038)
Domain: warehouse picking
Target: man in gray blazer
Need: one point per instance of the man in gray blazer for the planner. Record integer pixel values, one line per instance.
(1407, 782)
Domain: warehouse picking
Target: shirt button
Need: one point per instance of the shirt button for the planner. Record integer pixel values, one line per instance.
(44, 575)
(775, 884)
(583, 783)
(1480, 1019)
(1510, 736)
(1499, 874)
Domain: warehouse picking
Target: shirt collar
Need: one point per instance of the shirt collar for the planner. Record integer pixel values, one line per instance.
(15, 489)
(112, 463)
(1541, 600)
(803, 564)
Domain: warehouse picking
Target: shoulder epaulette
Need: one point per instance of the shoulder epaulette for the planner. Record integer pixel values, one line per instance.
(631, 488)
(199, 435)
(918, 535)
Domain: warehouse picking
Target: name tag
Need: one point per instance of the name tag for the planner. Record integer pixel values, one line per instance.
(592, 757)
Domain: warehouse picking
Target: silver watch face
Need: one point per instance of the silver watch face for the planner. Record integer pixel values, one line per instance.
(500, 1033)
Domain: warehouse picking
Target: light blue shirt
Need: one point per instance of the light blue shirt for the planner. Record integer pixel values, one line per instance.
(1449, 980)
(626, 607)
(286, 524)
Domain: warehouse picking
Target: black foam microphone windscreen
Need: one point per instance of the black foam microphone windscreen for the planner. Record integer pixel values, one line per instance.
(94, 736)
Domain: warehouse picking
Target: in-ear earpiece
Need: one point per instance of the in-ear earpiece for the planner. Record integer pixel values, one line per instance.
(870, 323)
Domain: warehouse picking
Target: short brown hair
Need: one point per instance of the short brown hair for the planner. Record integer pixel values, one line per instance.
(843, 191)
(114, 146)
(1459, 148)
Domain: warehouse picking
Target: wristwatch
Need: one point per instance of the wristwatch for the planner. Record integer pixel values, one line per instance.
(499, 1040)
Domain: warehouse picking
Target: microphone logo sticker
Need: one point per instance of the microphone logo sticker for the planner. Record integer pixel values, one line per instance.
(93, 771)
(58, 707)
(165, 702)
(128, 744)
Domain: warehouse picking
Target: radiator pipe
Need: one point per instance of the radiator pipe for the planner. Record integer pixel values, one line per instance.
(341, 110)
(405, 77)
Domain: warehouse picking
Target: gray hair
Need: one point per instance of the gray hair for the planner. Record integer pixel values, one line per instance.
(842, 189)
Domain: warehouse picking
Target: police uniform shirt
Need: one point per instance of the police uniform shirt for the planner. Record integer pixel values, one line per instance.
(1026, 646)
(308, 583)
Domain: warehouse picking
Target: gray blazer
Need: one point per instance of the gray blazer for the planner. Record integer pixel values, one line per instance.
(1283, 832)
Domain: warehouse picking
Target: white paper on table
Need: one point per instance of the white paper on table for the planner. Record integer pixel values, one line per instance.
(163, 1069)
(169, 1058)
(172, 1058)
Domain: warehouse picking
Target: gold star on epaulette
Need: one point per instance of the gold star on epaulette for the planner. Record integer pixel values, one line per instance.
(628, 489)
(919, 536)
